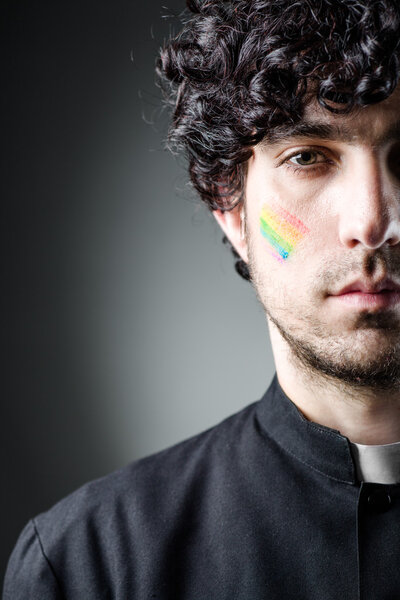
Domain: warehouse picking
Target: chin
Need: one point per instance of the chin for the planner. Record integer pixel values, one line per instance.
(369, 361)
(366, 357)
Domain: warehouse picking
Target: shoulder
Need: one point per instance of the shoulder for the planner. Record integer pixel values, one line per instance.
(157, 476)
(154, 489)
(129, 511)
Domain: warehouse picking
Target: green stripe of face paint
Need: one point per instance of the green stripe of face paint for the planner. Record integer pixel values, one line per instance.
(275, 236)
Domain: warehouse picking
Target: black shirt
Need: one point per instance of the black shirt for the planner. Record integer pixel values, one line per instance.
(266, 505)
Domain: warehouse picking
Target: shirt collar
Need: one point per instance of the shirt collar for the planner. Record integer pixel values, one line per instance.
(377, 464)
(321, 448)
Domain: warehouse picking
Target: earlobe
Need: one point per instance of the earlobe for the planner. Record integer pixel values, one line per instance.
(233, 224)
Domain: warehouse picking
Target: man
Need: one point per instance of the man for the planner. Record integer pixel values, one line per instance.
(289, 113)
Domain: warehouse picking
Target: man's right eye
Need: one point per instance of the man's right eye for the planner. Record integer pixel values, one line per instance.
(305, 158)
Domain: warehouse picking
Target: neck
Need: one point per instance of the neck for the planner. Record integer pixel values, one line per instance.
(364, 416)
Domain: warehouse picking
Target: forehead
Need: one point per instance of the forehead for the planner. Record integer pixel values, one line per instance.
(374, 124)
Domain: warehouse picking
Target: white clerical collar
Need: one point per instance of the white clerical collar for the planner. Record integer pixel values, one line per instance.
(377, 464)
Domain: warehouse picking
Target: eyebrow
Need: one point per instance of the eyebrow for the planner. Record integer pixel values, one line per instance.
(327, 131)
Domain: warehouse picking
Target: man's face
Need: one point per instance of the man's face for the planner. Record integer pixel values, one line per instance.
(323, 233)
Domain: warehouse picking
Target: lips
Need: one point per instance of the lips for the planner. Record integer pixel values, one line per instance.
(369, 287)
(369, 295)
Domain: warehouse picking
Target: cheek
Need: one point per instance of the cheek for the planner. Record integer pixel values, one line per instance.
(280, 231)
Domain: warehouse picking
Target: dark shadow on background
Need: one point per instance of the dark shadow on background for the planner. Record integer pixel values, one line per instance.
(71, 103)
(125, 331)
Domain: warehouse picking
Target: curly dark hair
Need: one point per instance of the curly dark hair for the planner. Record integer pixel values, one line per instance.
(240, 69)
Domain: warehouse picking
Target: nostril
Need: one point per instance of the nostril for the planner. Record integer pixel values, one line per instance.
(372, 227)
(352, 243)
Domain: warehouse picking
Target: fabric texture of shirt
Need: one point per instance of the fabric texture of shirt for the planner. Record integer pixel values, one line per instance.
(264, 506)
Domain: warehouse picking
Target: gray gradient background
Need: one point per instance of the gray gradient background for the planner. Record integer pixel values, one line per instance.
(126, 326)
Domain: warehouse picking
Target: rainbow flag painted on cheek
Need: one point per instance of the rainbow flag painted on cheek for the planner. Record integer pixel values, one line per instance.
(281, 230)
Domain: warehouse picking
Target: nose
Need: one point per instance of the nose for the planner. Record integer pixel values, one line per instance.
(369, 205)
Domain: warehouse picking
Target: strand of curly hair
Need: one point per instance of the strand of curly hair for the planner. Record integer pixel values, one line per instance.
(241, 69)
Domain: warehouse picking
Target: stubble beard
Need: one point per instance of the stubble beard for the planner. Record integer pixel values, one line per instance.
(332, 359)
(337, 358)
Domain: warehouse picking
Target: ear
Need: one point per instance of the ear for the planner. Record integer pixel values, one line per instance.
(232, 223)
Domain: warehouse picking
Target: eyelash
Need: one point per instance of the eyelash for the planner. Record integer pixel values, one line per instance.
(306, 170)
